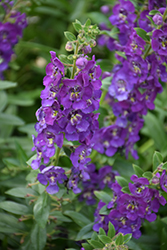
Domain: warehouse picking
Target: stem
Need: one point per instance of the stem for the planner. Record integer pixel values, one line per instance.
(56, 158)
(164, 15)
(147, 52)
(74, 63)
(103, 96)
(93, 155)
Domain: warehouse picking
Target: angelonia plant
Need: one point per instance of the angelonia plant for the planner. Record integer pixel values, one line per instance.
(12, 23)
(68, 124)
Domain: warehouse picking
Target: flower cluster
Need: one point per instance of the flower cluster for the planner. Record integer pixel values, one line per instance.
(128, 210)
(67, 110)
(105, 176)
(11, 29)
(136, 79)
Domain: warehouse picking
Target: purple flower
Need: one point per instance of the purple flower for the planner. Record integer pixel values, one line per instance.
(123, 15)
(158, 20)
(163, 181)
(159, 41)
(51, 174)
(139, 188)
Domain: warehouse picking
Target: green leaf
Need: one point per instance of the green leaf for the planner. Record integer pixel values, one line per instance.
(111, 230)
(101, 195)
(119, 240)
(142, 33)
(126, 190)
(138, 170)
(10, 119)
(98, 17)
(120, 53)
(112, 33)
(95, 244)
(11, 221)
(106, 82)
(64, 59)
(38, 237)
(101, 231)
(77, 26)
(7, 85)
(105, 239)
(104, 210)
(151, 20)
(148, 175)
(88, 23)
(153, 12)
(157, 160)
(84, 231)
(164, 166)
(3, 100)
(41, 210)
(34, 157)
(127, 238)
(78, 218)
(59, 216)
(21, 192)
(121, 181)
(14, 207)
(70, 36)
(86, 246)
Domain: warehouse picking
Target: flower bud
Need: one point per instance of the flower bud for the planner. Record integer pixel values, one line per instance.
(158, 20)
(92, 43)
(69, 46)
(87, 49)
(81, 62)
(105, 9)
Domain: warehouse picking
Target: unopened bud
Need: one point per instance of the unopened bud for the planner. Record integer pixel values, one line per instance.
(87, 49)
(105, 9)
(81, 62)
(158, 20)
(69, 46)
(92, 43)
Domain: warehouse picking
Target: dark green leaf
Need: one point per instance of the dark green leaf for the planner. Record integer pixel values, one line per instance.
(104, 210)
(70, 36)
(121, 181)
(138, 170)
(119, 240)
(127, 238)
(59, 216)
(7, 85)
(14, 207)
(157, 160)
(101, 231)
(78, 218)
(148, 175)
(111, 230)
(95, 244)
(38, 237)
(21, 192)
(101, 195)
(41, 210)
(126, 190)
(153, 12)
(3, 100)
(164, 166)
(84, 231)
(142, 33)
(105, 239)
(86, 246)
(10, 119)
(120, 53)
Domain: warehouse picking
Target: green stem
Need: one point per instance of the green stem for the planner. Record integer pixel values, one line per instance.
(164, 15)
(56, 158)
(93, 155)
(147, 52)
(103, 96)
(74, 63)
